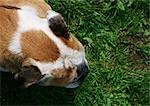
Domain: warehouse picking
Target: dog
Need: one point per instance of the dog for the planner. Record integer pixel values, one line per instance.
(37, 47)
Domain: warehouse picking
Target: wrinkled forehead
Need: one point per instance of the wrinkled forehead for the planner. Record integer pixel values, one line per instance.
(40, 5)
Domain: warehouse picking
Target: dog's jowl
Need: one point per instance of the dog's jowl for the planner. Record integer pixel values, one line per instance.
(36, 45)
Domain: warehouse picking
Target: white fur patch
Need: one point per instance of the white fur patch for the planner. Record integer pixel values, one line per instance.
(51, 14)
(47, 67)
(15, 46)
(29, 20)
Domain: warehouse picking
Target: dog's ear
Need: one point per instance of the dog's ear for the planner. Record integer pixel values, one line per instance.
(29, 75)
(58, 26)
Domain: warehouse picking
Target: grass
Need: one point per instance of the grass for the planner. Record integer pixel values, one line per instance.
(116, 37)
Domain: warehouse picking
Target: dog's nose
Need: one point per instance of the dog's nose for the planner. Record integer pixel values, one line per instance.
(82, 71)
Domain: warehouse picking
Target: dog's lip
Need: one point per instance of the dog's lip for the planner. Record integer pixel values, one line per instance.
(73, 85)
(43, 79)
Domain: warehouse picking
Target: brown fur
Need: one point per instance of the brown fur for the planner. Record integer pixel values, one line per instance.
(8, 25)
(39, 5)
(36, 45)
(62, 77)
(72, 42)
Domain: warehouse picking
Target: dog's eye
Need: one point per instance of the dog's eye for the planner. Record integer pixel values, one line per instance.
(29, 71)
(58, 26)
(33, 68)
(10, 7)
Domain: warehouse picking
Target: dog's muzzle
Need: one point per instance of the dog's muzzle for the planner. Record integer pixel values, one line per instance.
(82, 71)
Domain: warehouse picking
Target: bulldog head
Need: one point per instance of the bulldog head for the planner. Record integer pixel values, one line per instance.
(51, 55)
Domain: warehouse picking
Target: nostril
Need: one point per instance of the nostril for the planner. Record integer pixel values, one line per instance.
(82, 71)
(86, 69)
(79, 72)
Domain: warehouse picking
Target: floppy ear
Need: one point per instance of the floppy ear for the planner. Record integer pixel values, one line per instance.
(29, 75)
(58, 26)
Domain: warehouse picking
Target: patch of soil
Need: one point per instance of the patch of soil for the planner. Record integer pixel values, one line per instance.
(136, 57)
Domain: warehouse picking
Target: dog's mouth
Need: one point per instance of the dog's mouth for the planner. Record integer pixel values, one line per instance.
(69, 78)
(73, 85)
(82, 72)
(42, 82)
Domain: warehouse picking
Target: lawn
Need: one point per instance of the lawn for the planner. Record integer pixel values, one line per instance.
(116, 37)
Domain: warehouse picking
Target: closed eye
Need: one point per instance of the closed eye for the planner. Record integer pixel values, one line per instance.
(9, 7)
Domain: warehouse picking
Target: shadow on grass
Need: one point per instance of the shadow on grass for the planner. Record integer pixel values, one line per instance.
(12, 94)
